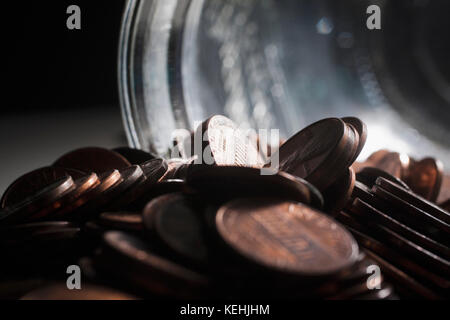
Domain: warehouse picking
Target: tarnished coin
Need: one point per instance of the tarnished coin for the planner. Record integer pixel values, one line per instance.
(414, 200)
(219, 141)
(229, 181)
(339, 193)
(33, 182)
(286, 237)
(146, 270)
(96, 160)
(361, 128)
(373, 216)
(425, 178)
(369, 175)
(178, 225)
(60, 291)
(25, 209)
(126, 221)
(313, 153)
(134, 156)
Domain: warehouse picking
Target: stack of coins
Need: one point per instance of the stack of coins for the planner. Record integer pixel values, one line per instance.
(223, 223)
(399, 224)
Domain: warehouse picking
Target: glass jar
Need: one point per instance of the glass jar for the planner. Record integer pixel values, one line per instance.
(273, 64)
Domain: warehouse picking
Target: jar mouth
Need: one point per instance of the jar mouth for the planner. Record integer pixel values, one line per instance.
(269, 66)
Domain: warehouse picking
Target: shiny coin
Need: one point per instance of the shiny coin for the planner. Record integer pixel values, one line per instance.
(218, 141)
(134, 156)
(425, 178)
(286, 237)
(96, 160)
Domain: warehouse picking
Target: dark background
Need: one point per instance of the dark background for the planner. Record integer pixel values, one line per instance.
(52, 67)
(60, 86)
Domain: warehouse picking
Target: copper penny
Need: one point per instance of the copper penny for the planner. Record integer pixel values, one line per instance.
(81, 194)
(414, 200)
(93, 159)
(310, 153)
(339, 193)
(285, 236)
(361, 128)
(33, 182)
(23, 210)
(178, 225)
(372, 215)
(425, 178)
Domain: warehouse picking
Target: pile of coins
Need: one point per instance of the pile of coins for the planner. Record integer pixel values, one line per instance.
(227, 222)
(398, 223)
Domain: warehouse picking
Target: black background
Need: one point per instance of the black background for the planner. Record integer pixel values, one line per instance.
(50, 67)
